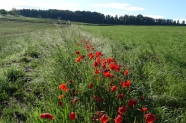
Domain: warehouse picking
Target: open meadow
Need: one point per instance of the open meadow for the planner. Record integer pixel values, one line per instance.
(52, 72)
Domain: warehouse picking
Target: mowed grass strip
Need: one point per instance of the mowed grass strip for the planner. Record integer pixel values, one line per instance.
(25, 54)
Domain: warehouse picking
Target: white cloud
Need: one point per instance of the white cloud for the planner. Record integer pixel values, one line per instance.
(120, 6)
(39, 4)
(155, 16)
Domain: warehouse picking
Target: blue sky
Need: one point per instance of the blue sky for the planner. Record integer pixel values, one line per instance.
(168, 9)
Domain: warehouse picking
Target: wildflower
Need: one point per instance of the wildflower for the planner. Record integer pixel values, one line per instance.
(95, 64)
(96, 71)
(126, 72)
(91, 55)
(144, 109)
(46, 116)
(114, 88)
(74, 100)
(60, 103)
(109, 60)
(117, 68)
(132, 102)
(142, 97)
(70, 81)
(104, 119)
(72, 116)
(120, 96)
(75, 92)
(150, 118)
(122, 110)
(103, 65)
(60, 96)
(112, 66)
(90, 85)
(97, 116)
(108, 74)
(97, 98)
(79, 58)
(155, 59)
(98, 53)
(118, 119)
(77, 52)
(126, 83)
(111, 83)
(63, 87)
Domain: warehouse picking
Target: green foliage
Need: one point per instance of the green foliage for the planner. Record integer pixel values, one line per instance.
(14, 73)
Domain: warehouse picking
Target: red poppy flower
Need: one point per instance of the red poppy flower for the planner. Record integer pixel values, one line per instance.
(117, 68)
(126, 83)
(142, 97)
(79, 58)
(104, 119)
(77, 52)
(90, 85)
(111, 83)
(98, 60)
(126, 72)
(95, 64)
(121, 110)
(118, 119)
(114, 88)
(96, 71)
(97, 98)
(98, 53)
(108, 74)
(70, 81)
(103, 65)
(63, 87)
(132, 102)
(144, 109)
(75, 92)
(72, 116)
(46, 116)
(155, 59)
(109, 60)
(74, 100)
(91, 55)
(120, 96)
(60, 103)
(112, 66)
(150, 118)
(60, 96)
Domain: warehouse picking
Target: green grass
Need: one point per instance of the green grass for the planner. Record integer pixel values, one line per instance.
(35, 58)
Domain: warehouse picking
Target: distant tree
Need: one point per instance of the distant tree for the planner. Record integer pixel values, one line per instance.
(3, 12)
(183, 22)
(14, 11)
(95, 17)
(178, 22)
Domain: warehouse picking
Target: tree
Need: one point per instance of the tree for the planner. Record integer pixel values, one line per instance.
(183, 22)
(3, 12)
(14, 11)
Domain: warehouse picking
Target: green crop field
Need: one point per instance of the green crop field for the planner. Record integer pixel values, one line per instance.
(53, 72)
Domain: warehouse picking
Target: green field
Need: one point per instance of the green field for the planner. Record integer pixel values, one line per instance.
(38, 55)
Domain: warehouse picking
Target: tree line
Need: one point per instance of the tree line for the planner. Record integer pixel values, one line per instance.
(91, 17)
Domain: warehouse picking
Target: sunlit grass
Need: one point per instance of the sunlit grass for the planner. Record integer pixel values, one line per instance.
(42, 60)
